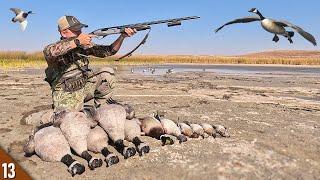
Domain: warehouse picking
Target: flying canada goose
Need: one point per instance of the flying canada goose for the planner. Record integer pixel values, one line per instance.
(273, 26)
(21, 17)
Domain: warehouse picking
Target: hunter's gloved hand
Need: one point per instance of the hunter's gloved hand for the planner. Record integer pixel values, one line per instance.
(128, 32)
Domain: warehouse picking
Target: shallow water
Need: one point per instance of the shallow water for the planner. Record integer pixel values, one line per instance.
(225, 69)
(221, 69)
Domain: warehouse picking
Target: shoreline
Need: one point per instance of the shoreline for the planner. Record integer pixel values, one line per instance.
(2, 69)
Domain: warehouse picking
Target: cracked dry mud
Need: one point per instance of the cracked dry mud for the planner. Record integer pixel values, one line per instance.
(274, 122)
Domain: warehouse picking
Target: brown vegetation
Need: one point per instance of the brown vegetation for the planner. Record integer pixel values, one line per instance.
(18, 59)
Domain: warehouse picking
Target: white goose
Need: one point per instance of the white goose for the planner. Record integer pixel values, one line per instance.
(21, 17)
(273, 26)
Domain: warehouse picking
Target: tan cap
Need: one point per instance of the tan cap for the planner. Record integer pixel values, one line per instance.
(70, 22)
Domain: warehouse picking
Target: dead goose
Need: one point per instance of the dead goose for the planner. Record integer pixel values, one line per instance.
(75, 127)
(171, 128)
(130, 113)
(50, 145)
(21, 17)
(112, 119)
(273, 26)
(133, 133)
(98, 142)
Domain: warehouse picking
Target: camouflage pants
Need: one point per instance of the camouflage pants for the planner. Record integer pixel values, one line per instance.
(96, 91)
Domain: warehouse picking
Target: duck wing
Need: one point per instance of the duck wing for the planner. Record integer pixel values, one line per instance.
(303, 33)
(240, 20)
(16, 10)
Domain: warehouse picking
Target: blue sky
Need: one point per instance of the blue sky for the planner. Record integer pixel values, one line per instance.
(194, 37)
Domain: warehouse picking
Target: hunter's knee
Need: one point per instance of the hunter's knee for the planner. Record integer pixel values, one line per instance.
(108, 77)
(107, 70)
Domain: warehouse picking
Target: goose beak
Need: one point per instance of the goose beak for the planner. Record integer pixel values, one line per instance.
(252, 10)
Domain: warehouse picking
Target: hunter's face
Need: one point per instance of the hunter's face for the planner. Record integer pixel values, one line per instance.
(68, 33)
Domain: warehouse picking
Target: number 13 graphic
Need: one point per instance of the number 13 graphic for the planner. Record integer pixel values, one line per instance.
(11, 167)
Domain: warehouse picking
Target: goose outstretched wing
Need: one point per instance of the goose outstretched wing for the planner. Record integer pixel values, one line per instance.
(240, 20)
(303, 33)
(16, 10)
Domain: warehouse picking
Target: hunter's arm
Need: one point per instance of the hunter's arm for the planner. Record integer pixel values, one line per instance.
(60, 48)
(103, 51)
(117, 43)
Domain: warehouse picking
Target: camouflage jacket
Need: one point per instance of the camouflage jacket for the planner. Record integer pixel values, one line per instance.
(61, 58)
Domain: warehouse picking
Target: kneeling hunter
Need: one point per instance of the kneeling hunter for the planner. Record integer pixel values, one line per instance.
(74, 84)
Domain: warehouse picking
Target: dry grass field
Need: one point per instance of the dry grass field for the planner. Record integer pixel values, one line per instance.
(18, 59)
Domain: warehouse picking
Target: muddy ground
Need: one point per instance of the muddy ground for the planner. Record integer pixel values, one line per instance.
(273, 119)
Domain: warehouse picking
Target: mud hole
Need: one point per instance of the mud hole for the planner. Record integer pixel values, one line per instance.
(273, 120)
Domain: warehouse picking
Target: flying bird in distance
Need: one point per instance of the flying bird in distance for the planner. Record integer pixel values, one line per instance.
(21, 17)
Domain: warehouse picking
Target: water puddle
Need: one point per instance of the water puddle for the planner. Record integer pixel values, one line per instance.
(223, 69)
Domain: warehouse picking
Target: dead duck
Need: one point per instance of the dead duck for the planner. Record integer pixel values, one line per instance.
(150, 126)
(275, 27)
(98, 143)
(21, 17)
(112, 119)
(132, 132)
(185, 129)
(208, 129)
(221, 130)
(171, 128)
(198, 131)
(50, 145)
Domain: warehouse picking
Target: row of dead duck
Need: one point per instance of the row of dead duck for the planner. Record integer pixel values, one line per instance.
(167, 130)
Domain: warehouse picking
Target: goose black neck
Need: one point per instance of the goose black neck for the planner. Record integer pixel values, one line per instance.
(25, 15)
(85, 155)
(119, 146)
(67, 160)
(136, 141)
(105, 152)
(260, 15)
